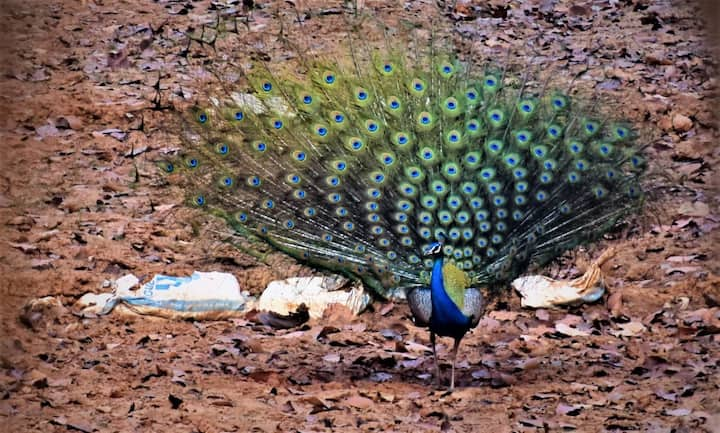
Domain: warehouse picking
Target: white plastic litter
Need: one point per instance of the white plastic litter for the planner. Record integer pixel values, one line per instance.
(317, 293)
(203, 295)
(538, 291)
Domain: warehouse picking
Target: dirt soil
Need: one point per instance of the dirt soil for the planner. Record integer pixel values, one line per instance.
(81, 202)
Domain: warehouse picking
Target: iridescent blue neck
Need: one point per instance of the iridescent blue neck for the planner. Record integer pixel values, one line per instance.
(436, 279)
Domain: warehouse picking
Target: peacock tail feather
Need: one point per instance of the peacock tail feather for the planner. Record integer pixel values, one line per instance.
(356, 161)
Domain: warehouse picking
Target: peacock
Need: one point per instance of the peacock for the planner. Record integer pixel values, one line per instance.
(413, 171)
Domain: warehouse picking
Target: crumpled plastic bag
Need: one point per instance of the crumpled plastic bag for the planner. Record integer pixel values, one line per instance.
(317, 293)
(202, 295)
(538, 291)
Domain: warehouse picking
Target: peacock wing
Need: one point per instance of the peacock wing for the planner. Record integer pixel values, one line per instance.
(420, 303)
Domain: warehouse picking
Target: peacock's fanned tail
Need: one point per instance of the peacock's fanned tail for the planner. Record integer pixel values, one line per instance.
(356, 163)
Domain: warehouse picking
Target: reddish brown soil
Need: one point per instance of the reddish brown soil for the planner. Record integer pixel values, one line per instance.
(81, 203)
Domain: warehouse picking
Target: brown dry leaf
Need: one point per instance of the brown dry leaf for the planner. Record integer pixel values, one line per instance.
(630, 329)
(386, 396)
(682, 258)
(669, 270)
(387, 308)
(682, 123)
(694, 209)
(570, 331)
(503, 315)
(317, 405)
(359, 402)
(332, 358)
(615, 304)
(569, 410)
(337, 314)
(542, 314)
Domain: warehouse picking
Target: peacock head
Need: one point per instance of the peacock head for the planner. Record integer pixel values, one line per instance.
(435, 249)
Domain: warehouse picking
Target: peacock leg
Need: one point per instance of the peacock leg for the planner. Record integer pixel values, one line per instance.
(435, 358)
(453, 355)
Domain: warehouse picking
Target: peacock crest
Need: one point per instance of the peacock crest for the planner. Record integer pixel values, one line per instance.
(356, 161)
